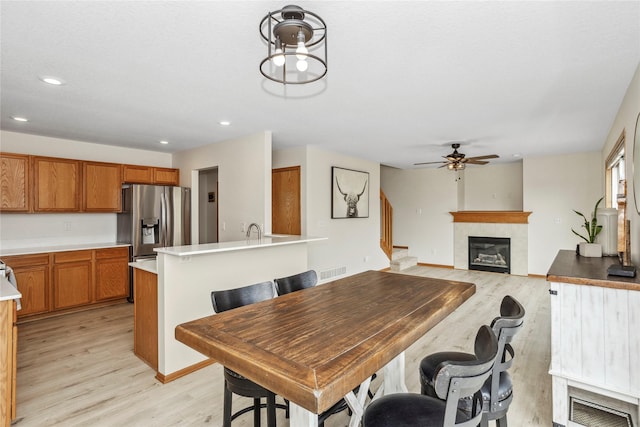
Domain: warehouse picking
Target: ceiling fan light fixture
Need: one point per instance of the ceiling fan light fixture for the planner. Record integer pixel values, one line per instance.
(296, 46)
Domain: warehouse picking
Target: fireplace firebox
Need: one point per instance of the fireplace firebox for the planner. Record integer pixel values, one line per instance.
(490, 254)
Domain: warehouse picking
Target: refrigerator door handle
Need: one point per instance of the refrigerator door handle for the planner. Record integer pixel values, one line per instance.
(163, 220)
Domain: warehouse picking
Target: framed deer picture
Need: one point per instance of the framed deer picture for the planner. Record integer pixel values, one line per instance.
(349, 193)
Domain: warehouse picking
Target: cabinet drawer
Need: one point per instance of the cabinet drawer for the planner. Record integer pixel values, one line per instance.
(121, 252)
(26, 260)
(73, 256)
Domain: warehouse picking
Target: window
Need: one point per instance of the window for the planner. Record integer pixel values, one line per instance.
(615, 175)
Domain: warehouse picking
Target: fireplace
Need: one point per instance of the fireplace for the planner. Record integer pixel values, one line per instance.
(490, 254)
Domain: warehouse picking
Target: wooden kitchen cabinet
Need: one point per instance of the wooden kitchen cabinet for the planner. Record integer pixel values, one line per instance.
(135, 174)
(14, 183)
(72, 279)
(145, 317)
(101, 190)
(8, 363)
(32, 277)
(112, 273)
(57, 185)
(166, 176)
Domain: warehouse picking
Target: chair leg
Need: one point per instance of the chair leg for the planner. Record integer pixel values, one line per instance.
(256, 411)
(226, 416)
(484, 422)
(271, 410)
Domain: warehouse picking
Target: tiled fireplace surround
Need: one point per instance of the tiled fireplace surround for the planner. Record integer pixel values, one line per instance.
(511, 224)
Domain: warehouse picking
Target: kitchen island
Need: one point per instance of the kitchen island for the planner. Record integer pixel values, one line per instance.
(595, 337)
(186, 275)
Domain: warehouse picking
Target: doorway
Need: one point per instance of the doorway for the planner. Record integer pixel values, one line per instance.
(285, 201)
(208, 205)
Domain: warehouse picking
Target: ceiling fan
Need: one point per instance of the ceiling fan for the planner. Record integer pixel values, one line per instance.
(457, 161)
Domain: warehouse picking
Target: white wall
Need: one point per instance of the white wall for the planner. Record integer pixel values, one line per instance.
(625, 121)
(352, 243)
(422, 200)
(553, 187)
(39, 230)
(244, 182)
(493, 187)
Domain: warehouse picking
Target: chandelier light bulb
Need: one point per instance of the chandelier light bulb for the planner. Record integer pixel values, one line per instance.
(301, 50)
(278, 58)
(302, 65)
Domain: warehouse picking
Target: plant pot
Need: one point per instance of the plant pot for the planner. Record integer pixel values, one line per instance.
(593, 250)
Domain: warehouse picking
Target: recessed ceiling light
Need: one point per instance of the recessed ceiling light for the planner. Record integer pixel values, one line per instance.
(516, 155)
(19, 119)
(164, 142)
(224, 123)
(52, 80)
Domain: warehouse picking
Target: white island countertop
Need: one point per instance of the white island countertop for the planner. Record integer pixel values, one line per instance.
(7, 290)
(254, 243)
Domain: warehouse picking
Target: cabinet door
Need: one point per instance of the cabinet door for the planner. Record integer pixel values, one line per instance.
(145, 317)
(56, 185)
(32, 277)
(72, 284)
(14, 183)
(112, 273)
(166, 176)
(135, 174)
(102, 186)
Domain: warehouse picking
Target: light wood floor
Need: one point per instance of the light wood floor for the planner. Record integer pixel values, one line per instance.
(80, 370)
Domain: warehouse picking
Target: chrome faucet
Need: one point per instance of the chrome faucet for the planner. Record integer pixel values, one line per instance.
(253, 224)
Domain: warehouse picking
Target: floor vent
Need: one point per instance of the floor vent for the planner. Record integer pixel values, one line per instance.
(328, 274)
(591, 414)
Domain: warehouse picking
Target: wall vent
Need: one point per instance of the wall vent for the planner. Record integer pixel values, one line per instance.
(333, 272)
(594, 415)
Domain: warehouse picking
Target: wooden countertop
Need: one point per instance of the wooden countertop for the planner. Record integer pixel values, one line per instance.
(569, 267)
(314, 346)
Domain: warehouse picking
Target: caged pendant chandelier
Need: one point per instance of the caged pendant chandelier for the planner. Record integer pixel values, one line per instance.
(296, 46)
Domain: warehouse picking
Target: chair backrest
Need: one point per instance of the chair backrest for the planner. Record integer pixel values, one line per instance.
(455, 380)
(505, 328)
(307, 279)
(233, 298)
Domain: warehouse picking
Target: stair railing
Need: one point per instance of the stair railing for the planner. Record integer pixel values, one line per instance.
(386, 225)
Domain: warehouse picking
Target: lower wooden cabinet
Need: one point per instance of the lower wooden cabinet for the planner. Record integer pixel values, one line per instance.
(112, 273)
(145, 317)
(51, 282)
(8, 365)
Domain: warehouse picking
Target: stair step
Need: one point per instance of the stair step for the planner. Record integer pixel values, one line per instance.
(399, 253)
(403, 263)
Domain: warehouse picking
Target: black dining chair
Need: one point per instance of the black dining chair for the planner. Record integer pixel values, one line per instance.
(296, 282)
(453, 381)
(234, 382)
(497, 391)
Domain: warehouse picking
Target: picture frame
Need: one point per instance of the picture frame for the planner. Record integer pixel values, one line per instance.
(349, 193)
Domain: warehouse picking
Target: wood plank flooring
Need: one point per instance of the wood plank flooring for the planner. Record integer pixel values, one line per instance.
(80, 370)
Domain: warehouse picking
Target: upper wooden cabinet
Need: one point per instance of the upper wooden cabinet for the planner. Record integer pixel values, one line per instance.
(14, 183)
(57, 184)
(101, 187)
(135, 174)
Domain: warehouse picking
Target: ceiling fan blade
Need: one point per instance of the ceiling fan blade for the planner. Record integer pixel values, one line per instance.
(427, 163)
(488, 156)
(476, 162)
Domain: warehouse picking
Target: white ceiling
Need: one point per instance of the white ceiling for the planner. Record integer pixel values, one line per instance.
(405, 79)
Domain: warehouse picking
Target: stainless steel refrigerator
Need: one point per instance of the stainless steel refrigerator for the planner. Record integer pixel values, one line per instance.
(153, 216)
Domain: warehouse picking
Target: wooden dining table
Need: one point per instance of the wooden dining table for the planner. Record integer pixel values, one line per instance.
(315, 346)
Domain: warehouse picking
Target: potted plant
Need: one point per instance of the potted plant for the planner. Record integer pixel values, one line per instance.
(589, 248)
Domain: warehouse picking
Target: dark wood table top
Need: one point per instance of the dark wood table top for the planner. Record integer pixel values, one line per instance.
(314, 346)
(569, 267)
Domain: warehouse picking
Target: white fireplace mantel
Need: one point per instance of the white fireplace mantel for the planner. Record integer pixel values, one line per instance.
(510, 224)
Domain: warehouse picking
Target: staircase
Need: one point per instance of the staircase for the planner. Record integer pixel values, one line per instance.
(400, 259)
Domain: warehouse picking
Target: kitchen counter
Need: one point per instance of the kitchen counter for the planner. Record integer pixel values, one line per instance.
(569, 267)
(266, 241)
(148, 265)
(7, 290)
(60, 248)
